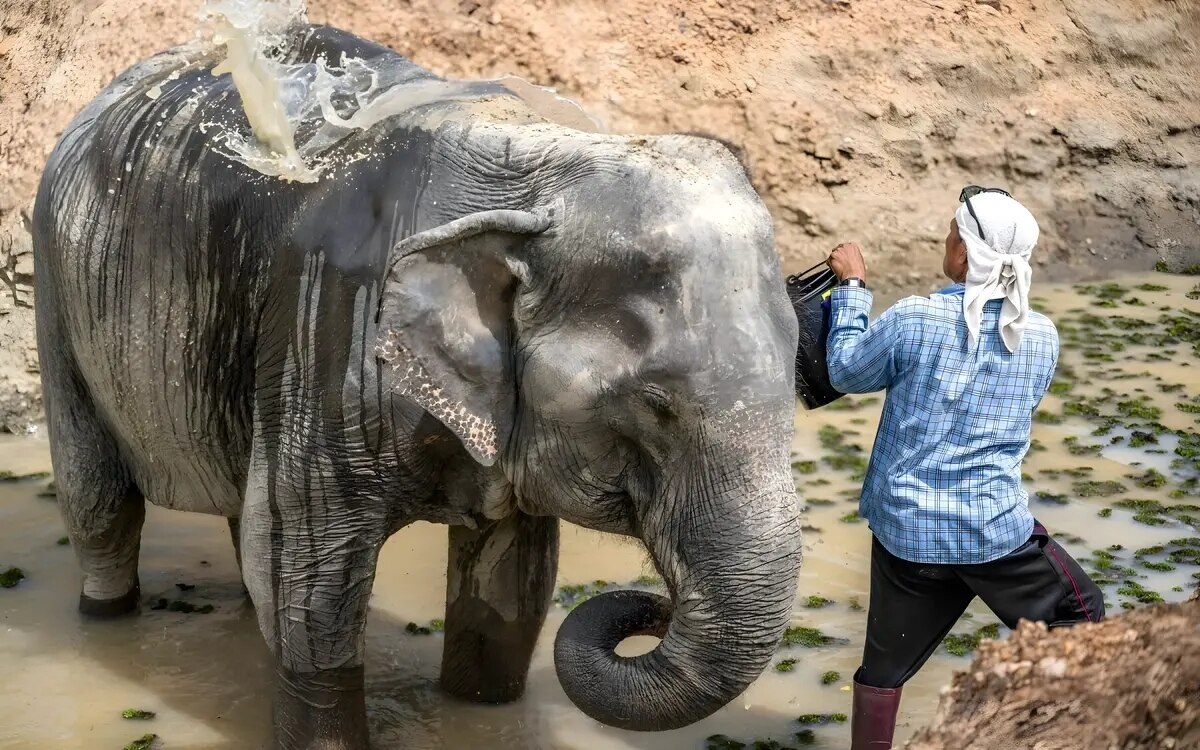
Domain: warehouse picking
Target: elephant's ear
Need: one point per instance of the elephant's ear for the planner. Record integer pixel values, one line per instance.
(445, 324)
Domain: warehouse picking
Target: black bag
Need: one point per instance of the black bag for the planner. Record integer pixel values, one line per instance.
(809, 292)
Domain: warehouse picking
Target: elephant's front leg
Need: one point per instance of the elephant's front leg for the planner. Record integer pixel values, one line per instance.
(309, 573)
(499, 584)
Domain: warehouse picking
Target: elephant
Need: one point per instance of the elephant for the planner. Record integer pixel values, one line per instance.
(478, 318)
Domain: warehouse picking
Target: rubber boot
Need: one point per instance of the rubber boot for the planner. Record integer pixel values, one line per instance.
(873, 721)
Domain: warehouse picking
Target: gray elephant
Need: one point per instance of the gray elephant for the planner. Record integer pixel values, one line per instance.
(482, 319)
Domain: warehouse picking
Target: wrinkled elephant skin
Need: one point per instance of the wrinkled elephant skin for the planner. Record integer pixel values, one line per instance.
(488, 321)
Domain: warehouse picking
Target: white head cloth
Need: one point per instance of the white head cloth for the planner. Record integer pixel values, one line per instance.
(998, 266)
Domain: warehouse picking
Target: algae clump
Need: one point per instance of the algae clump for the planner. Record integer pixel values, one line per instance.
(137, 713)
(11, 577)
(145, 742)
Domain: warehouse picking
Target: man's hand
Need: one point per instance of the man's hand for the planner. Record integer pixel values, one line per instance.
(847, 262)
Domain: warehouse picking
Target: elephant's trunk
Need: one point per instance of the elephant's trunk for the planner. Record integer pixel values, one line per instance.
(730, 564)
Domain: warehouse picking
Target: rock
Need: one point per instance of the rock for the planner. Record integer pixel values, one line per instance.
(781, 134)
(1170, 160)
(990, 3)
(826, 149)
(909, 151)
(1032, 160)
(24, 266)
(869, 107)
(1092, 138)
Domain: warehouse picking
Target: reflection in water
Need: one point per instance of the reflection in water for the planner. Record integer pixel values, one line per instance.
(207, 676)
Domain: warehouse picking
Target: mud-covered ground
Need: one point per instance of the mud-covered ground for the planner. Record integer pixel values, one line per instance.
(861, 120)
(1131, 682)
(1114, 474)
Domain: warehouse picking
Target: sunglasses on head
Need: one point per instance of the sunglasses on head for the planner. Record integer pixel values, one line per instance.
(969, 192)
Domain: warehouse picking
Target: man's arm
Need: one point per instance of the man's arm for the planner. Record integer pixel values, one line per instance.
(861, 357)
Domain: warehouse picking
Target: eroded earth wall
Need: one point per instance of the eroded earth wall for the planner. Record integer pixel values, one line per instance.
(861, 120)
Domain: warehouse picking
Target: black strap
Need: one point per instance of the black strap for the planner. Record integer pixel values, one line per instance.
(796, 276)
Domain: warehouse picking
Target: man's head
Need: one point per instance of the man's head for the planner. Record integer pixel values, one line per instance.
(992, 222)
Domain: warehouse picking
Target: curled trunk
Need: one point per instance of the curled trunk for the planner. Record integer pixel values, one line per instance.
(731, 567)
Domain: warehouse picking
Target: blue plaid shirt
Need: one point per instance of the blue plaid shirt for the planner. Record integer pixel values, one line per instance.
(944, 481)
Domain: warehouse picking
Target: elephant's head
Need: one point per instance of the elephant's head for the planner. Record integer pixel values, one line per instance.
(606, 321)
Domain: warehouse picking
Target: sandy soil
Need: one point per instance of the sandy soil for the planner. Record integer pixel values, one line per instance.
(861, 119)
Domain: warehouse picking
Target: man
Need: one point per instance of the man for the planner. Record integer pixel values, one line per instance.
(964, 371)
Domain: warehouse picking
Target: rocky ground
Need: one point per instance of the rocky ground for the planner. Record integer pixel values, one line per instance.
(1128, 682)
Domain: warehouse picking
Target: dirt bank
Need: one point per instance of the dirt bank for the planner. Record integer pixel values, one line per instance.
(1129, 682)
(861, 119)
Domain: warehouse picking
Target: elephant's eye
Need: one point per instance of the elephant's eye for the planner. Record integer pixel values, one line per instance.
(657, 398)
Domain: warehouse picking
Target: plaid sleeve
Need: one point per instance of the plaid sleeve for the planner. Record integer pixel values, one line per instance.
(861, 356)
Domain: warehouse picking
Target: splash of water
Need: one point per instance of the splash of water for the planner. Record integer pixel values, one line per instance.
(298, 110)
(248, 29)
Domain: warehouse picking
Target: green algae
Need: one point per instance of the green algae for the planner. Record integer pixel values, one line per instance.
(1061, 387)
(1139, 439)
(1150, 478)
(1135, 590)
(961, 644)
(571, 595)
(137, 713)
(1092, 488)
(821, 719)
(1051, 497)
(9, 476)
(806, 637)
(188, 608)
(145, 742)
(11, 577)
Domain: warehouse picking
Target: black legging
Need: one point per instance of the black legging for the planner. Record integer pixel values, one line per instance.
(914, 605)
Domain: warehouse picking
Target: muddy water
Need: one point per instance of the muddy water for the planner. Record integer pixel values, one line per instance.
(65, 681)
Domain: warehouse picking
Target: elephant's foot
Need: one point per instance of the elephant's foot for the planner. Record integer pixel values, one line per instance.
(323, 710)
(500, 581)
(125, 604)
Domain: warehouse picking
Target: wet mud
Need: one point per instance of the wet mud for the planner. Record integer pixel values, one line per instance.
(1113, 475)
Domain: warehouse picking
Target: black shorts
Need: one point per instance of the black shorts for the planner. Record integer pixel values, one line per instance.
(914, 605)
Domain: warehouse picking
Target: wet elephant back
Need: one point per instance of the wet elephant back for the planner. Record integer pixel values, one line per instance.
(155, 250)
(189, 284)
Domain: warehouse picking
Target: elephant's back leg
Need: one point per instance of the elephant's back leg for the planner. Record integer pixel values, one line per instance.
(100, 504)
